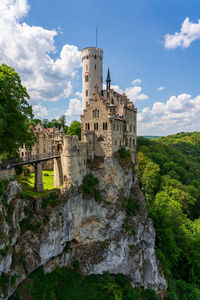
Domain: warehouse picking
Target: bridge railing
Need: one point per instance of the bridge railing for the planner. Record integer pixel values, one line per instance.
(26, 159)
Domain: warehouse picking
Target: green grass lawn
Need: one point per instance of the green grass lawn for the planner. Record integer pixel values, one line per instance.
(27, 183)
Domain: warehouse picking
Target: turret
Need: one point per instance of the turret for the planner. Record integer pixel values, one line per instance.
(92, 63)
(108, 80)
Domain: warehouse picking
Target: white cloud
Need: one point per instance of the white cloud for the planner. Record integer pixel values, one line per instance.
(136, 81)
(161, 88)
(78, 94)
(132, 92)
(75, 109)
(39, 111)
(29, 48)
(189, 32)
(177, 114)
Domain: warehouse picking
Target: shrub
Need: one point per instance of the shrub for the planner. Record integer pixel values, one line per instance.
(19, 170)
(51, 200)
(88, 187)
(4, 281)
(2, 187)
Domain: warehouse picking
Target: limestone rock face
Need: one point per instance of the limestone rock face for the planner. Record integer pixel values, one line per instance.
(98, 234)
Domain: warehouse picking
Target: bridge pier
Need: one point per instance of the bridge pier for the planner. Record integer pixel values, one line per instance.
(38, 177)
(58, 174)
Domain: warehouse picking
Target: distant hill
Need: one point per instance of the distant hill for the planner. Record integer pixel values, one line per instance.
(151, 137)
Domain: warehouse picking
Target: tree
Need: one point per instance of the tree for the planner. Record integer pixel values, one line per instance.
(75, 129)
(15, 113)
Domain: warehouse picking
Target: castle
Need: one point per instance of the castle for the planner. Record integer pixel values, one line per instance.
(108, 122)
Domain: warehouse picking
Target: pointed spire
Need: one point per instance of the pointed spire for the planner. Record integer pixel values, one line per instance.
(108, 80)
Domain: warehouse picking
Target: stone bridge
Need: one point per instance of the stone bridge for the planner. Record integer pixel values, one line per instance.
(38, 161)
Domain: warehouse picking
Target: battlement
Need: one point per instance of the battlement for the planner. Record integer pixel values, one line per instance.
(92, 51)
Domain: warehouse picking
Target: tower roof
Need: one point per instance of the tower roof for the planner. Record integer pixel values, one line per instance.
(108, 76)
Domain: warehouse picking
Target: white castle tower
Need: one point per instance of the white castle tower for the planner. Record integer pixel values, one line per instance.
(92, 63)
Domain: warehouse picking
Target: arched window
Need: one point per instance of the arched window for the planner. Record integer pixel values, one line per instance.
(96, 113)
(86, 126)
(95, 56)
(86, 78)
(105, 126)
(96, 126)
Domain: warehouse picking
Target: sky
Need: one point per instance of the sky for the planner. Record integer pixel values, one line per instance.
(152, 48)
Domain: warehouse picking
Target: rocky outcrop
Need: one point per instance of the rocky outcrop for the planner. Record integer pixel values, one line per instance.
(110, 234)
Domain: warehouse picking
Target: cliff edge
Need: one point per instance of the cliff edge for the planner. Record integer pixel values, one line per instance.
(102, 225)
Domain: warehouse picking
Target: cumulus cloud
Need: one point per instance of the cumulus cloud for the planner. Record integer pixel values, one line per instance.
(133, 92)
(40, 111)
(78, 94)
(136, 81)
(161, 88)
(178, 113)
(75, 109)
(29, 50)
(189, 32)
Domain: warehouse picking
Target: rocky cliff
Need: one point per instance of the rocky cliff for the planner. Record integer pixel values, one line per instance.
(107, 230)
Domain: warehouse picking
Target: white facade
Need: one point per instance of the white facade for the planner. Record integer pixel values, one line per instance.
(92, 65)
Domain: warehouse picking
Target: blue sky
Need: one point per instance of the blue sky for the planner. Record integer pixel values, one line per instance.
(151, 46)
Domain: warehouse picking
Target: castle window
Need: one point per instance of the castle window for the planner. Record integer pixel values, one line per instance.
(105, 126)
(86, 78)
(95, 56)
(113, 126)
(96, 113)
(96, 126)
(95, 67)
(88, 126)
(85, 126)
(86, 93)
(115, 142)
(133, 142)
(130, 128)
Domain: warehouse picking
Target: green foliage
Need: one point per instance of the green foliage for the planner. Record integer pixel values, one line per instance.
(15, 113)
(124, 158)
(19, 170)
(2, 187)
(66, 284)
(51, 200)
(75, 129)
(89, 187)
(76, 265)
(4, 281)
(169, 174)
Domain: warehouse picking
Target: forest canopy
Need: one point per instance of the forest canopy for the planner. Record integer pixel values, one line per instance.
(169, 175)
